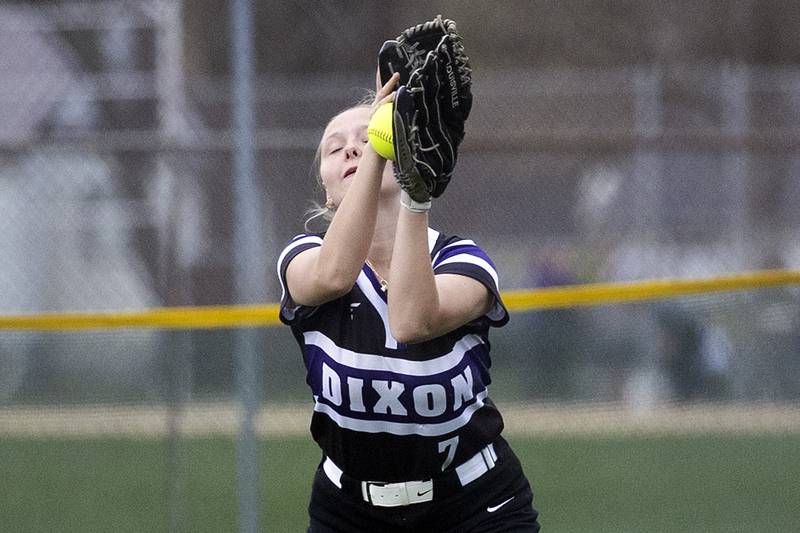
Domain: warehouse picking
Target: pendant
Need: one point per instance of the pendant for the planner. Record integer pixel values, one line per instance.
(384, 284)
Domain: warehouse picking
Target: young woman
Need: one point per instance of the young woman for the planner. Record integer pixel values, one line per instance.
(392, 318)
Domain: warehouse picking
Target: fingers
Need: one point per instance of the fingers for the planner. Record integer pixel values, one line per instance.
(378, 103)
(387, 89)
(388, 98)
(386, 93)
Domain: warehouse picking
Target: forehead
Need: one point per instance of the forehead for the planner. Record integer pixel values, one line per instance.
(354, 119)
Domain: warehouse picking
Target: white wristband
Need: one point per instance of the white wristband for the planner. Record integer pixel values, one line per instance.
(412, 205)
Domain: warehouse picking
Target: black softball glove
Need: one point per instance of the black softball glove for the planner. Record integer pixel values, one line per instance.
(407, 52)
(430, 110)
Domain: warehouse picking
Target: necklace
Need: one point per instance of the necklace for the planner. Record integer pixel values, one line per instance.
(381, 280)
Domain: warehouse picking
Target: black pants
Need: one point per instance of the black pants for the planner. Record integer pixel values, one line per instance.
(501, 500)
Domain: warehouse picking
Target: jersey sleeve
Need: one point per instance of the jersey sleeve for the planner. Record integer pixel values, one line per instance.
(465, 258)
(290, 312)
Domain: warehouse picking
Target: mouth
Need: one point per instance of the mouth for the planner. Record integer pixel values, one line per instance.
(349, 172)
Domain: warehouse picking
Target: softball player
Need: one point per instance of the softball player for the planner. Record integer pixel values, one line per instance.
(392, 318)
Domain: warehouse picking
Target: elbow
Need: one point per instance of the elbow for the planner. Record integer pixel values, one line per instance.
(329, 286)
(410, 331)
(337, 285)
(340, 285)
(336, 278)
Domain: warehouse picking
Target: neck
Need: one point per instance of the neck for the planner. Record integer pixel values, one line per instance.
(380, 251)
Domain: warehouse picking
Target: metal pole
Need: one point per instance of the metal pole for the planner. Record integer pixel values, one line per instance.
(735, 83)
(648, 162)
(250, 272)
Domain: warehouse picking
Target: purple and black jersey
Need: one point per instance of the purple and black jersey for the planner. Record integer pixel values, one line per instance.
(388, 411)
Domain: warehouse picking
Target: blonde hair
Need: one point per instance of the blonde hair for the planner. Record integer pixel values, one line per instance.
(323, 212)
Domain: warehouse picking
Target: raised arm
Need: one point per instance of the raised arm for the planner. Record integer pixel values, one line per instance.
(422, 305)
(324, 273)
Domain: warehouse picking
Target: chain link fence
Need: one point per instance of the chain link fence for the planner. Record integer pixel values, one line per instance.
(583, 162)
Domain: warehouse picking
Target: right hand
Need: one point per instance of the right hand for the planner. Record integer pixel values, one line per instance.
(386, 92)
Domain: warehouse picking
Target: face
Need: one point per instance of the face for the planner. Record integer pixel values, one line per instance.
(341, 148)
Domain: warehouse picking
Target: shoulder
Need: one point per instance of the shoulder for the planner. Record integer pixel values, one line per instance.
(304, 238)
(452, 254)
(453, 249)
(438, 241)
(299, 243)
(290, 312)
(296, 245)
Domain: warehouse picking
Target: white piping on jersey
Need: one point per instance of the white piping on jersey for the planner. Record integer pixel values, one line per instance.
(380, 306)
(292, 246)
(402, 428)
(433, 236)
(367, 288)
(363, 361)
(464, 242)
(467, 258)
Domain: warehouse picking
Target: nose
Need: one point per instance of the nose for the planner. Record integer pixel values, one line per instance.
(352, 152)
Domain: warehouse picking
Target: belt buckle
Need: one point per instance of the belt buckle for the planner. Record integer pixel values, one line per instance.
(397, 494)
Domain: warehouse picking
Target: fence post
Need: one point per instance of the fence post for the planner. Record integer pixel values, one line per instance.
(250, 272)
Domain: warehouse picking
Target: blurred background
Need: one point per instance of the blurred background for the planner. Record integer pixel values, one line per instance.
(608, 142)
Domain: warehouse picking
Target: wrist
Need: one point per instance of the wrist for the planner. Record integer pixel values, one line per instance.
(369, 152)
(412, 205)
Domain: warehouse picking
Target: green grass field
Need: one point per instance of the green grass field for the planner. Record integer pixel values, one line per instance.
(638, 484)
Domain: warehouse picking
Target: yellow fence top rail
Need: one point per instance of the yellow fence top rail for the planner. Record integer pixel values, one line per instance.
(203, 317)
(233, 316)
(639, 291)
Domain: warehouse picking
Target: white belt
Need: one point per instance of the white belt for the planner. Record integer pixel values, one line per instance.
(408, 492)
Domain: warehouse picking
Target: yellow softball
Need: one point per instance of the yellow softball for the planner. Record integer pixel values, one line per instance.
(379, 131)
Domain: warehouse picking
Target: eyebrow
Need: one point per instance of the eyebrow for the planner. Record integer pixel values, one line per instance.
(335, 136)
(341, 135)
